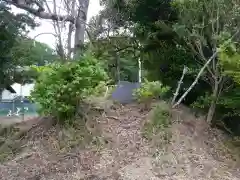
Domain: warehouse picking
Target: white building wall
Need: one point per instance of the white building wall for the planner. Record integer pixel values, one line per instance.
(7, 95)
(25, 91)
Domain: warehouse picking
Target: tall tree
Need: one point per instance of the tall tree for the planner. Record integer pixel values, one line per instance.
(68, 12)
(12, 26)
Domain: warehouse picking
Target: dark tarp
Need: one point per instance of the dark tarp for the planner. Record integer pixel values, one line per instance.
(123, 92)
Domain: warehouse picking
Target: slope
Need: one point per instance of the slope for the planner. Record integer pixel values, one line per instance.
(118, 151)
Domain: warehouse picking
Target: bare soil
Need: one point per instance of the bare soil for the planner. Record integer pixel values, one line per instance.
(7, 121)
(195, 152)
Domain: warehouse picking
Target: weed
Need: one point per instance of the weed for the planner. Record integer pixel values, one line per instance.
(157, 127)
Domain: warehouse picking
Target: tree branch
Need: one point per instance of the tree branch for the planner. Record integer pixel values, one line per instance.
(43, 34)
(179, 85)
(201, 71)
(196, 80)
(41, 14)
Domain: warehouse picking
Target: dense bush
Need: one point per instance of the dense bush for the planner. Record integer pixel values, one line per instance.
(150, 90)
(60, 88)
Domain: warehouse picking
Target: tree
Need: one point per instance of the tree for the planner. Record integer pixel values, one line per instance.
(11, 28)
(203, 26)
(119, 57)
(27, 52)
(117, 48)
(167, 32)
(70, 12)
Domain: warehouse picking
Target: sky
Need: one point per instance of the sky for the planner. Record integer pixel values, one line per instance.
(46, 26)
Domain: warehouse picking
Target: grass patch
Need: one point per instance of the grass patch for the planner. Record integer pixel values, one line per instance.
(84, 131)
(232, 146)
(157, 128)
(71, 138)
(10, 142)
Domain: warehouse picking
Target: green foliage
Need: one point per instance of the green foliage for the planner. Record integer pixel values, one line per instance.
(158, 123)
(29, 52)
(165, 63)
(150, 90)
(205, 21)
(103, 90)
(41, 69)
(174, 33)
(227, 106)
(62, 87)
(12, 26)
(202, 102)
(18, 51)
(206, 27)
(118, 55)
(230, 60)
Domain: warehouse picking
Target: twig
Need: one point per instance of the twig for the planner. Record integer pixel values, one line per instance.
(112, 117)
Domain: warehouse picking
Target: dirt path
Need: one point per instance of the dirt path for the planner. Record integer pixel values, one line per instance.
(127, 156)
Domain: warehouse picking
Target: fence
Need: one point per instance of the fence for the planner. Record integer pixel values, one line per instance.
(122, 93)
(17, 107)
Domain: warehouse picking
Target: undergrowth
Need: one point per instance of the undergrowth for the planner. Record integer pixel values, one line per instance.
(64, 138)
(149, 91)
(157, 128)
(85, 131)
(10, 142)
(232, 146)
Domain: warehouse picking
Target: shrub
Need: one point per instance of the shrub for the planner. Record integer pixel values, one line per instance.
(149, 91)
(61, 87)
(160, 119)
(103, 90)
(202, 102)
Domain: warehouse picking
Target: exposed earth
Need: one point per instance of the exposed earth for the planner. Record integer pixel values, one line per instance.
(6, 121)
(194, 152)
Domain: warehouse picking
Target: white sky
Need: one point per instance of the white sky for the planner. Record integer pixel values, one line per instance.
(46, 26)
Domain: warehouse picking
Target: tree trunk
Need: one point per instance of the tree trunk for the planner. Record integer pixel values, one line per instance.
(179, 86)
(212, 107)
(80, 25)
(69, 40)
(70, 29)
(57, 28)
(139, 70)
